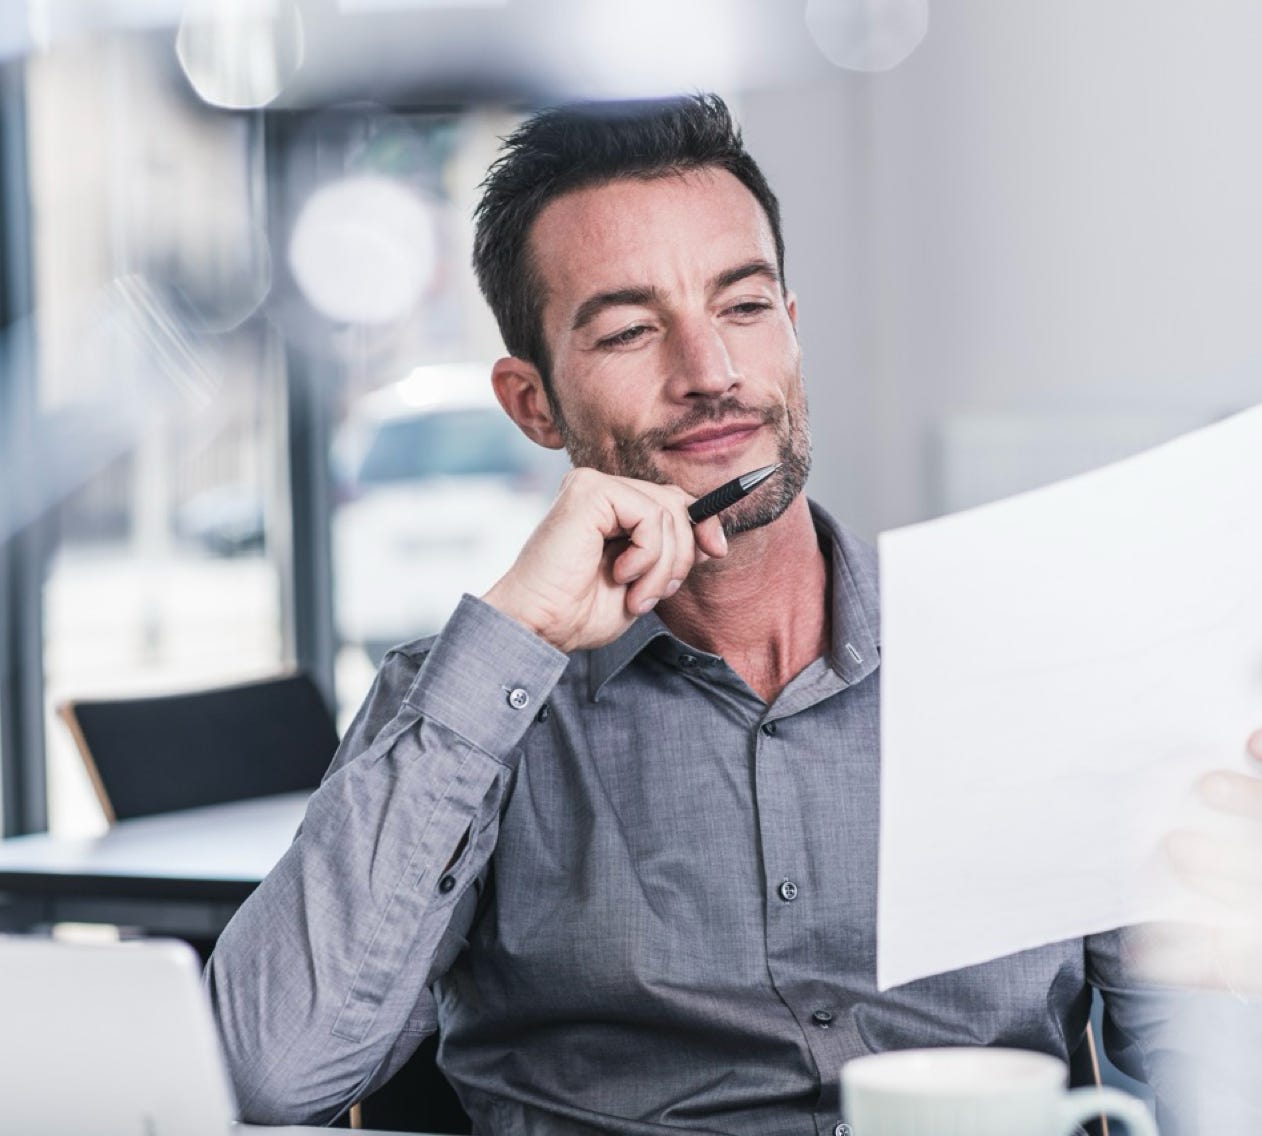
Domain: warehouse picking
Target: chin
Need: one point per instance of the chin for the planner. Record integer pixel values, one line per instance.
(758, 511)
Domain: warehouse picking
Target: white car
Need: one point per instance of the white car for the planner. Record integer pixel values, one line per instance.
(440, 491)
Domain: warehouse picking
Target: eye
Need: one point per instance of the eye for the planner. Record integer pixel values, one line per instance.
(625, 337)
(749, 308)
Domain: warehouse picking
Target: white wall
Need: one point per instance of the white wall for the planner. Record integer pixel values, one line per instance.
(1050, 209)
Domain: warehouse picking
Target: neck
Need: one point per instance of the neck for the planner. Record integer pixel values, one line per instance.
(763, 607)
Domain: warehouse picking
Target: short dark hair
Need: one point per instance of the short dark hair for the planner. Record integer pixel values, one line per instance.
(567, 148)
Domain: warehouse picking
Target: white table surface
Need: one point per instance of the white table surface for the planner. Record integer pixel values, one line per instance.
(240, 840)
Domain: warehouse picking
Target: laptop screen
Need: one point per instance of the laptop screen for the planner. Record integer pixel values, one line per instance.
(108, 1039)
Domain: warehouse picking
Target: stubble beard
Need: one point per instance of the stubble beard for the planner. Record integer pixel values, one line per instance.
(633, 455)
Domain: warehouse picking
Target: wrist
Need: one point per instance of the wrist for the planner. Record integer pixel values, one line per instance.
(504, 598)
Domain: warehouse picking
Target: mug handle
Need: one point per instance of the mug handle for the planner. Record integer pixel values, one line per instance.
(1083, 1104)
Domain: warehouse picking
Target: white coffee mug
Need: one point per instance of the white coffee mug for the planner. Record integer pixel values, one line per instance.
(975, 1092)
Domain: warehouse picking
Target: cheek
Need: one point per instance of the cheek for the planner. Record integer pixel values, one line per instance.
(771, 352)
(605, 397)
(779, 370)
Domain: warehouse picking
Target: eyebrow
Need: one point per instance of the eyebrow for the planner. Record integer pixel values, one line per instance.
(590, 308)
(645, 295)
(744, 272)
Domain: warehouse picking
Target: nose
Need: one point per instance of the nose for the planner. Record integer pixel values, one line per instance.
(700, 365)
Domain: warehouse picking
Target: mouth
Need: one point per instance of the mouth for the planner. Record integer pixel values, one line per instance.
(714, 439)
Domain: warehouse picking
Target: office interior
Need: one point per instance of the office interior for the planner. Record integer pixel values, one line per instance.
(236, 297)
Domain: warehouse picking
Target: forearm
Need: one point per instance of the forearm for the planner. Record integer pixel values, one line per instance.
(322, 969)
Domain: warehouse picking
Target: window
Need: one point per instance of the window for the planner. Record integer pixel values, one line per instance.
(261, 426)
(432, 489)
(157, 390)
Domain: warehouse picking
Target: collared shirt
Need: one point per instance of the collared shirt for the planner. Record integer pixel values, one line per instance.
(662, 916)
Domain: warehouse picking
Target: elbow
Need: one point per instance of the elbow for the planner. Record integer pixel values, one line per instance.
(274, 1082)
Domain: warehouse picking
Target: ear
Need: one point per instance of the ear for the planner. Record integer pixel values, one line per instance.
(519, 388)
(791, 306)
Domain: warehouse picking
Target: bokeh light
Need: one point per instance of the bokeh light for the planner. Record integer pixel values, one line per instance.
(867, 35)
(363, 249)
(240, 54)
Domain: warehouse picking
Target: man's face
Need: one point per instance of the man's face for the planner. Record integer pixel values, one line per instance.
(674, 352)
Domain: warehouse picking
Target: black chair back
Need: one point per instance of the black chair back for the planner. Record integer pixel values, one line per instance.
(417, 1098)
(181, 751)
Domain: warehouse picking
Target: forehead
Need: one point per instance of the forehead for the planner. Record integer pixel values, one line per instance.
(660, 231)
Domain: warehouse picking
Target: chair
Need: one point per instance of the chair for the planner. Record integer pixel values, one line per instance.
(417, 1098)
(207, 747)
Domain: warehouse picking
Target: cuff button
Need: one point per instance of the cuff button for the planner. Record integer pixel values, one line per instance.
(518, 699)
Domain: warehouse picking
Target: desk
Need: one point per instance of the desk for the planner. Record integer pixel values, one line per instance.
(181, 874)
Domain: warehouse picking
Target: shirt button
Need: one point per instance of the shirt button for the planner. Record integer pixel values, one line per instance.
(823, 1018)
(688, 661)
(788, 891)
(518, 699)
(544, 711)
(446, 884)
(769, 728)
(843, 1130)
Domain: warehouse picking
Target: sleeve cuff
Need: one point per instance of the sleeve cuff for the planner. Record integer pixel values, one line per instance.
(485, 677)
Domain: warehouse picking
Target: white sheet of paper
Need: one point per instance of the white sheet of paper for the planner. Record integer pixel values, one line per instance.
(1058, 669)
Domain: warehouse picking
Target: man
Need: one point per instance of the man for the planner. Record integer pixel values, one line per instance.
(615, 828)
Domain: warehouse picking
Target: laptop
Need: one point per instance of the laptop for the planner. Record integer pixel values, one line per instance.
(108, 1039)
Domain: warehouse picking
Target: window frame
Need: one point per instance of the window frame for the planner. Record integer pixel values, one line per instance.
(303, 543)
(23, 554)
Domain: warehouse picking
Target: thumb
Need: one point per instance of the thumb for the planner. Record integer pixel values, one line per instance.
(711, 539)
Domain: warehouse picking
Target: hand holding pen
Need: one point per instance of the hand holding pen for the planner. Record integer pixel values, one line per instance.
(608, 551)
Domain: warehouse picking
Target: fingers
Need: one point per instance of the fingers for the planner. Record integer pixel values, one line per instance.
(1237, 793)
(1222, 947)
(711, 542)
(610, 549)
(660, 550)
(657, 561)
(1200, 956)
(662, 576)
(642, 518)
(1202, 857)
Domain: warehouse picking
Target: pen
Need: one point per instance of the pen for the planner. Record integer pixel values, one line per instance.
(729, 493)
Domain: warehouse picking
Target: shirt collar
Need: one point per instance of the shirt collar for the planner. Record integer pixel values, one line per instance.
(855, 648)
(607, 661)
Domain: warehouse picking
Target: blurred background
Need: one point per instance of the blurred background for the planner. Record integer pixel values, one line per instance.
(244, 407)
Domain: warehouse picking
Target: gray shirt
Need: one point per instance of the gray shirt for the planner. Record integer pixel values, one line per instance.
(662, 918)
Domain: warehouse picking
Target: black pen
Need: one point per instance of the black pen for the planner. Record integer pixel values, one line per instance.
(729, 493)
